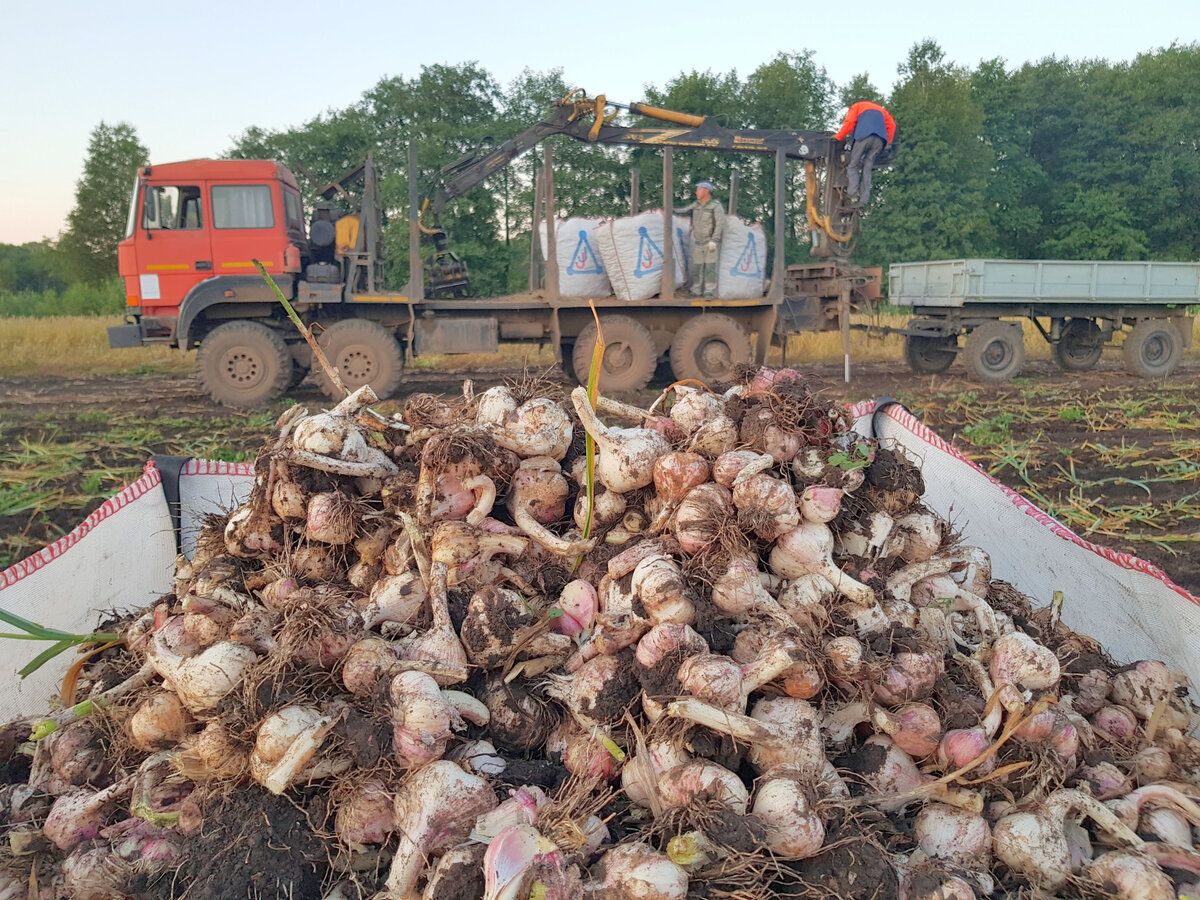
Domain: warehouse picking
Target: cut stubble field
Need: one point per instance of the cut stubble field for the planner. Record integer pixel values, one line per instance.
(1114, 457)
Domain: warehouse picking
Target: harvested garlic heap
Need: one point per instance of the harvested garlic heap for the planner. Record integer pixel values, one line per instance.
(765, 669)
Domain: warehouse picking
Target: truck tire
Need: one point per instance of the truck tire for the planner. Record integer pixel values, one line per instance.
(1080, 346)
(709, 347)
(629, 354)
(363, 352)
(995, 351)
(1153, 348)
(929, 355)
(244, 364)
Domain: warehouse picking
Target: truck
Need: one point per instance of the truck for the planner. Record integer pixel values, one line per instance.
(195, 229)
(1079, 307)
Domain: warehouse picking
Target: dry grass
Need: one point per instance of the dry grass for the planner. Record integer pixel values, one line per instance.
(78, 346)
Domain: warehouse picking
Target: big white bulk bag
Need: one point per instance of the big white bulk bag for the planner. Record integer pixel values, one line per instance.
(631, 250)
(742, 268)
(581, 272)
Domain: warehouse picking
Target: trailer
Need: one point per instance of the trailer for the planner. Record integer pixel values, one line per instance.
(1079, 307)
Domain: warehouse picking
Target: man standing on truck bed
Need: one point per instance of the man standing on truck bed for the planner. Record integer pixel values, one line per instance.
(871, 127)
(708, 220)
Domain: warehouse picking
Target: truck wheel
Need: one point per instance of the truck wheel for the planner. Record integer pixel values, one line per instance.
(929, 355)
(629, 354)
(244, 364)
(1153, 348)
(1080, 346)
(996, 351)
(709, 347)
(364, 352)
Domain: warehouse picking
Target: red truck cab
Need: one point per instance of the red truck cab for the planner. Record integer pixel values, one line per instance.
(194, 228)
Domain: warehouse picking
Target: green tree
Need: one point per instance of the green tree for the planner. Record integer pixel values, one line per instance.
(1097, 224)
(97, 223)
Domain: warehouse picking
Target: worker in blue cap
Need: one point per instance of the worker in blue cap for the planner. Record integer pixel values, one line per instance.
(708, 221)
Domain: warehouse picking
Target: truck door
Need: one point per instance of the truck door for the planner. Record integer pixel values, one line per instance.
(172, 245)
(247, 224)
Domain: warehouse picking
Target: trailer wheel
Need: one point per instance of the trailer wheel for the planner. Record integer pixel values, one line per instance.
(629, 354)
(1080, 346)
(709, 347)
(364, 352)
(996, 351)
(1153, 348)
(244, 364)
(929, 355)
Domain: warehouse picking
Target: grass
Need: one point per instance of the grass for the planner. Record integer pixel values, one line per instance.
(78, 345)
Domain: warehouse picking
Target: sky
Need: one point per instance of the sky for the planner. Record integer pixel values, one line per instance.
(190, 77)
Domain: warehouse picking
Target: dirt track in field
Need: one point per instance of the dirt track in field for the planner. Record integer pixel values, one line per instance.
(1115, 457)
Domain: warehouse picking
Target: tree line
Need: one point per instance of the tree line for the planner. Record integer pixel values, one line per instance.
(1060, 158)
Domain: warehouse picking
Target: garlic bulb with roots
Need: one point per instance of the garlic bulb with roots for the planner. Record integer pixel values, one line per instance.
(394, 598)
(538, 427)
(766, 506)
(807, 549)
(659, 584)
(783, 802)
(285, 747)
(724, 683)
(1018, 661)
(366, 815)
(330, 518)
(942, 590)
(780, 731)
(424, 717)
(716, 436)
(955, 835)
(700, 516)
(537, 497)
(675, 474)
(1148, 689)
(1034, 845)
(79, 815)
(1130, 876)
(693, 407)
(701, 779)
(202, 681)
(639, 872)
(498, 626)
(625, 456)
(435, 810)
(738, 591)
(160, 721)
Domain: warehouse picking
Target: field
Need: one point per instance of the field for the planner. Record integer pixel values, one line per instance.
(1112, 456)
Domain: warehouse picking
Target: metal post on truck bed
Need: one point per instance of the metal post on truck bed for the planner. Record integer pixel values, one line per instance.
(535, 241)
(667, 291)
(551, 226)
(844, 322)
(416, 275)
(635, 185)
(777, 270)
(735, 181)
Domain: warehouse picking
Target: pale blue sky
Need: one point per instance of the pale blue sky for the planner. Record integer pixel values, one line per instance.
(189, 77)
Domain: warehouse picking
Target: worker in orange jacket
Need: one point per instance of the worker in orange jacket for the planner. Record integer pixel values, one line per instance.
(871, 128)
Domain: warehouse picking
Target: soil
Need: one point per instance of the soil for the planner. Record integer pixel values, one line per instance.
(1114, 457)
(255, 844)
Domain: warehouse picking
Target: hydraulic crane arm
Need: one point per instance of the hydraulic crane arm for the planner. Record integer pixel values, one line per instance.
(589, 120)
